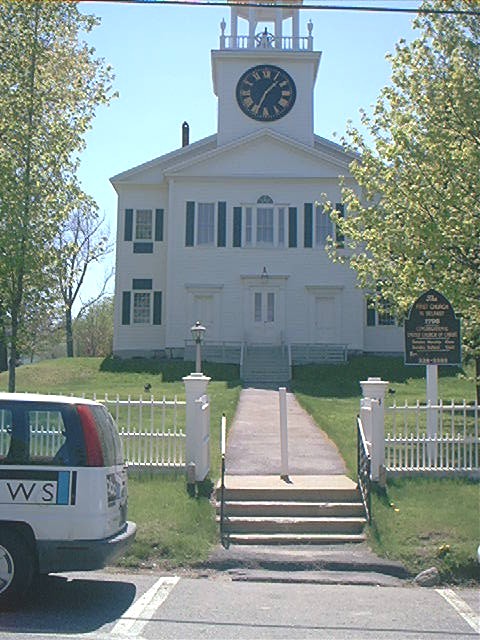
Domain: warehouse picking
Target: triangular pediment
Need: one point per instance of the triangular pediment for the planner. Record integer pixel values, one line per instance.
(261, 154)
(266, 154)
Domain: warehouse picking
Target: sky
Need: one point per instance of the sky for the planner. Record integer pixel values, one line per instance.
(160, 56)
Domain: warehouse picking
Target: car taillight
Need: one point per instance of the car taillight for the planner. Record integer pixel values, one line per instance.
(90, 435)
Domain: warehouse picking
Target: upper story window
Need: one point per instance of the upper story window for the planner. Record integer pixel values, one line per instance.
(318, 227)
(324, 228)
(143, 227)
(206, 223)
(264, 224)
(143, 224)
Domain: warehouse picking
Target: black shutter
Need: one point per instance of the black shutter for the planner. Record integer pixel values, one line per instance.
(308, 224)
(142, 284)
(190, 224)
(292, 226)
(222, 225)
(143, 247)
(128, 230)
(371, 314)
(237, 226)
(158, 224)
(157, 307)
(126, 307)
(339, 236)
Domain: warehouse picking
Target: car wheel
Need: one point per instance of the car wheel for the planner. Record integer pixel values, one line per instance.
(16, 568)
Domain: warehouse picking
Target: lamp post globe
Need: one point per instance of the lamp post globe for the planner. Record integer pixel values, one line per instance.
(198, 331)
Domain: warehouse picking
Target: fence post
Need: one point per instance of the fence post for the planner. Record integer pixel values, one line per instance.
(374, 389)
(432, 413)
(195, 387)
(282, 396)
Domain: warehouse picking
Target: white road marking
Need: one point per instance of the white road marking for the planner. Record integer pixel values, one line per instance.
(136, 617)
(461, 607)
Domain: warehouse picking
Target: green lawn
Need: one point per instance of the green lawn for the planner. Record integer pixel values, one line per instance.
(422, 522)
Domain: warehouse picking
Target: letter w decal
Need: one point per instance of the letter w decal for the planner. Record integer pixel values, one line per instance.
(20, 488)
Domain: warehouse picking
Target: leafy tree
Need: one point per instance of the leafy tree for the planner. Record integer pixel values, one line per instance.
(81, 241)
(94, 330)
(414, 223)
(50, 86)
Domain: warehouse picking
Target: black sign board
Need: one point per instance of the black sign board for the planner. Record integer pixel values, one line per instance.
(432, 331)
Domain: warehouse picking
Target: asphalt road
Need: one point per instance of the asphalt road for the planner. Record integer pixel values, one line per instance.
(117, 606)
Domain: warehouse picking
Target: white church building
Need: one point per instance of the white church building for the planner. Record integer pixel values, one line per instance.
(230, 231)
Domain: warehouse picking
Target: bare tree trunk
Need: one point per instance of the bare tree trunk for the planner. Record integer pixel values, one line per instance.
(69, 331)
(12, 360)
(477, 377)
(3, 356)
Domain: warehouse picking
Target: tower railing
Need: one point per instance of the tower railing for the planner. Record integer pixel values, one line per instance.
(284, 43)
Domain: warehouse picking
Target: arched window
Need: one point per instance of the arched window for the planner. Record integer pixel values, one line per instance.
(264, 223)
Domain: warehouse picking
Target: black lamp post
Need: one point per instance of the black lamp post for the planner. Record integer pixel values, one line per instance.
(197, 334)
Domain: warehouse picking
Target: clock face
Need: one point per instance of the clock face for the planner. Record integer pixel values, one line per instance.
(266, 92)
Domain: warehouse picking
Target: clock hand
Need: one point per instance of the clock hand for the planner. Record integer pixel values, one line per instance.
(266, 92)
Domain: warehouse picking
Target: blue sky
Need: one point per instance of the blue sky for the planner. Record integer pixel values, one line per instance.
(161, 59)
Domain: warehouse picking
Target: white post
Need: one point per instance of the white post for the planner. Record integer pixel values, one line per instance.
(432, 413)
(282, 395)
(375, 389)
(195, 387)
(378, 441)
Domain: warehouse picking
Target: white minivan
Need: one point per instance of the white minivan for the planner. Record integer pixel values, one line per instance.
(63, 489)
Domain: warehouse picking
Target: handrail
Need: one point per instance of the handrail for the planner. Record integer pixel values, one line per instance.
(364, 470)
(223, 538)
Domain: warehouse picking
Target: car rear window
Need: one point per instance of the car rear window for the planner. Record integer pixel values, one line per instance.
(40, 433)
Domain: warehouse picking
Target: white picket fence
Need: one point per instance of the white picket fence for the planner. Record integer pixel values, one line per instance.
(152, 431)
(410, 446)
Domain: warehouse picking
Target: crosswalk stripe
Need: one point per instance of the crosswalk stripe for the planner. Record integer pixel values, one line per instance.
(461, 607)
(139, 614)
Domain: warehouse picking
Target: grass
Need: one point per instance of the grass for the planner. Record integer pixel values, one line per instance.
(173, 530)
(421, 522)
(427, 522)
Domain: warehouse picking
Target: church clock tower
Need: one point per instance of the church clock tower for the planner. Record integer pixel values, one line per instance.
(264, 78)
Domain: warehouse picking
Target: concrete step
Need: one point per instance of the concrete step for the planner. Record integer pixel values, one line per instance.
(266, 364)
(295, 495)
(295, 538)
(293, 509)
(312, 489)
(264, 379)
(279, 525)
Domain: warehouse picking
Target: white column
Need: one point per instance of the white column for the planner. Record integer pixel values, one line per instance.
(234, 28)
(282, 396)
(375, 390)
(279, 30)
(378, 441)
(296, 30)
(195, 387)
(252, 26)
(432, 414)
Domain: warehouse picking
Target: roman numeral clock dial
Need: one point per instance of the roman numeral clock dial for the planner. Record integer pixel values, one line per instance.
(266, 93)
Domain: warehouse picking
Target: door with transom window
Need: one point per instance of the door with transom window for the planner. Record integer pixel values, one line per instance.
(265, 315)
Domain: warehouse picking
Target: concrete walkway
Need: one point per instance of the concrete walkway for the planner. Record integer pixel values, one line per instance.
(253, 449)
(253, 445)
